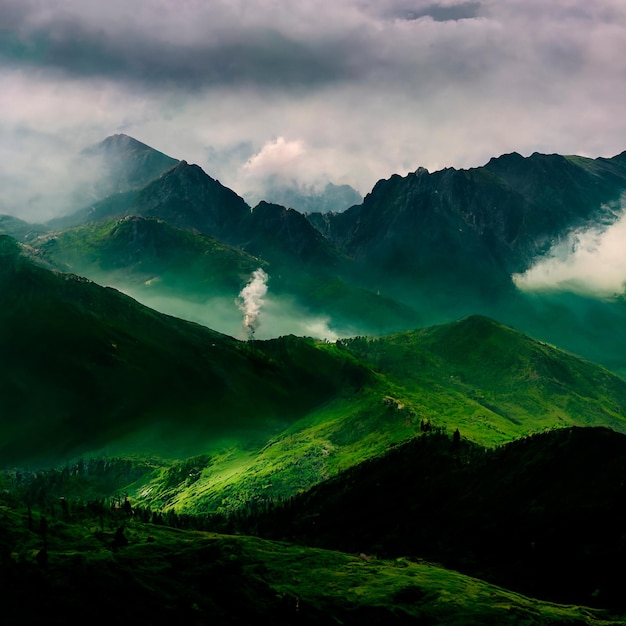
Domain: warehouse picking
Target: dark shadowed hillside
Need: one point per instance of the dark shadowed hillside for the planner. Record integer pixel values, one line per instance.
(93, 563)
(543, 515)
(471, 229)
(84, 366)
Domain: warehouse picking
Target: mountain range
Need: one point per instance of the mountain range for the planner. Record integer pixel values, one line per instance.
(397, 396)
(421, 249)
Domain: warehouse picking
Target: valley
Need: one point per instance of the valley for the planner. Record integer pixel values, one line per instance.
(402, 435)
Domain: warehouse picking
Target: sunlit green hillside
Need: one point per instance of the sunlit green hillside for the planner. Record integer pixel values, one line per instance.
(487, 380)
(543, 515)
(516, 384)
(86, 370)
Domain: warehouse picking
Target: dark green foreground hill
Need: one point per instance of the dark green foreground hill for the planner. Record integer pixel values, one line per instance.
(544, 515)
(109, 567)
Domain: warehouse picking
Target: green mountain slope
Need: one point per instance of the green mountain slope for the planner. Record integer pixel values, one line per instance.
(516, 384)
(146, 252)
(151, 574)
(448, 242)
(19, 229)
(419, 250)
(83, 367)
(175, 270)
(487, 380)
(543, 515)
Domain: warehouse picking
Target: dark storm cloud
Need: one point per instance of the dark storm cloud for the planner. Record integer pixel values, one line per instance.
(265, 46)
(269, 58)
(442, 13)
(263, 57)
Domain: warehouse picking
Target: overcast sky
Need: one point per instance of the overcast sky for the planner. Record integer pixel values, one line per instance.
(349, 91)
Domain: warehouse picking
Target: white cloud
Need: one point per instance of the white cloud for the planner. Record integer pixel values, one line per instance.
(274, 157)
(589, 262)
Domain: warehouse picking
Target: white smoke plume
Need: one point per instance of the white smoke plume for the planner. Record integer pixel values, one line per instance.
(250, 301)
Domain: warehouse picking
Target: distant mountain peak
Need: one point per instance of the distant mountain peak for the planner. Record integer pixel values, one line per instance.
(121, 139)
(120, 142)
(125, 163)
(510, 157)
(309, 198)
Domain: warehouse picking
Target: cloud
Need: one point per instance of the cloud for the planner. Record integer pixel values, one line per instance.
(590, 262)
(44, 127)
(441, 12)
(283, 163)
(274, 157)
(190, 45)
(280, 162)
(367, 88)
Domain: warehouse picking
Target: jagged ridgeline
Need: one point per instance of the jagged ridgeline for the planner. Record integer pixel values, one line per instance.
(420, 249)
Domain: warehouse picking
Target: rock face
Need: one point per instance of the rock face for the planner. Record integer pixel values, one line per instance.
(478, 225)
(468, 230)
(186, 197)
(443, 244)
(281, 234)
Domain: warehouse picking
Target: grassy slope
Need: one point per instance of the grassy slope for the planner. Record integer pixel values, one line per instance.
(489, 381)
(98, 369)
(83, 367)
(163, 576)
(150, 253)
(154, 259)
(510, 384)
(543, 515)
